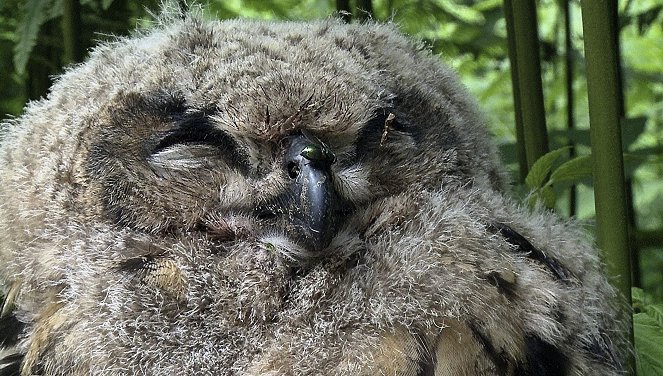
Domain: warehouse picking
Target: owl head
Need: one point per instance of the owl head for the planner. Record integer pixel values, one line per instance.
(278, 130)
(213, 197)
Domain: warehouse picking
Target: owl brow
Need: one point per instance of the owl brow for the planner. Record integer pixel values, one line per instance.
(198, 129)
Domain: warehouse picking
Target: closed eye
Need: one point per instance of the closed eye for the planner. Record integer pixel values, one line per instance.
(184, 157)
(195, 142)
(383, 129)
(384, 119)
(196, 129)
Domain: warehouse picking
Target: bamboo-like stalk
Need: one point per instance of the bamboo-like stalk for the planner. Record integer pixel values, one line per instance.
(520, 133)
(599, 18)
(570, 119)
(524, 55)
(71, 31)
(604, 87)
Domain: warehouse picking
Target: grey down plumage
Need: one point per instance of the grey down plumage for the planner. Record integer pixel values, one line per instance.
(257, 198)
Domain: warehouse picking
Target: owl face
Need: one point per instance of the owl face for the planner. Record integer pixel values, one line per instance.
(249, 198)
(268, 130)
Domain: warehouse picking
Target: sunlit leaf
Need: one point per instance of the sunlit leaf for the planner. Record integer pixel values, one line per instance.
(642, 6)
(573, 170)
(541, 168)
(461, 12)
(648, 335)
(485, 5)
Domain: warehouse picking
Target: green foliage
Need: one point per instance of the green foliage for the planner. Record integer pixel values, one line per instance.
(542, 177)
(648, 332)
(463, 13)
(541, 168)
(572, 171)
(33, 16)
(284, 9)
(537, 181)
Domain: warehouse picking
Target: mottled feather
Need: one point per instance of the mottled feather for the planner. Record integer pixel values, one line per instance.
(260, 198)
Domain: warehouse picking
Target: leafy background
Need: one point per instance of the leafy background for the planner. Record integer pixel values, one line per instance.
(470, 36)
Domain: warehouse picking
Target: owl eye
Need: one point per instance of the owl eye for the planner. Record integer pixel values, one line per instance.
(384, 128)
(384, 120)
(195, 142)
(196, 130)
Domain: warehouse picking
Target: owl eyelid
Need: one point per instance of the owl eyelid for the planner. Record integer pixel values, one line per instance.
(197, 130)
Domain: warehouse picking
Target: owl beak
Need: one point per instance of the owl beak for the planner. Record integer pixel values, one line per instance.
(308, 162)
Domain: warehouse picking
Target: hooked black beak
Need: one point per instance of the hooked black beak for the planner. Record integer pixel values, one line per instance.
(308, 162)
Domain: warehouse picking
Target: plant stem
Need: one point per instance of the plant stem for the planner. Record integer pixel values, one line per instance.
(71, 31)
(524, 51)
(520, 133)
(570, 120)
(605, 111)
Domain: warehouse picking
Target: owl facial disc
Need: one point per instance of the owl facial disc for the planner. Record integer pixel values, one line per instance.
(308, 162)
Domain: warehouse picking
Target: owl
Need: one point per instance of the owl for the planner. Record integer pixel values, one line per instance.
(258, 198)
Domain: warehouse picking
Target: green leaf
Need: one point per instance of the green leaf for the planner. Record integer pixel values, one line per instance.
(656, 311)
(638, 297)
(55, 10)
(545, 195)
(633, 161)
(648, 334)
(33, 15)
(541, 168)
(461, 12)
(105, 4)
(643, 6)
(548, 197)
(486, 5)
(574, 170)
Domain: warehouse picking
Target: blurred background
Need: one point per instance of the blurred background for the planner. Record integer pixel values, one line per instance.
(39, 38)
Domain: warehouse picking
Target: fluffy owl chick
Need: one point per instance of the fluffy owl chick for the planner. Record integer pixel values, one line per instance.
(253, 198)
